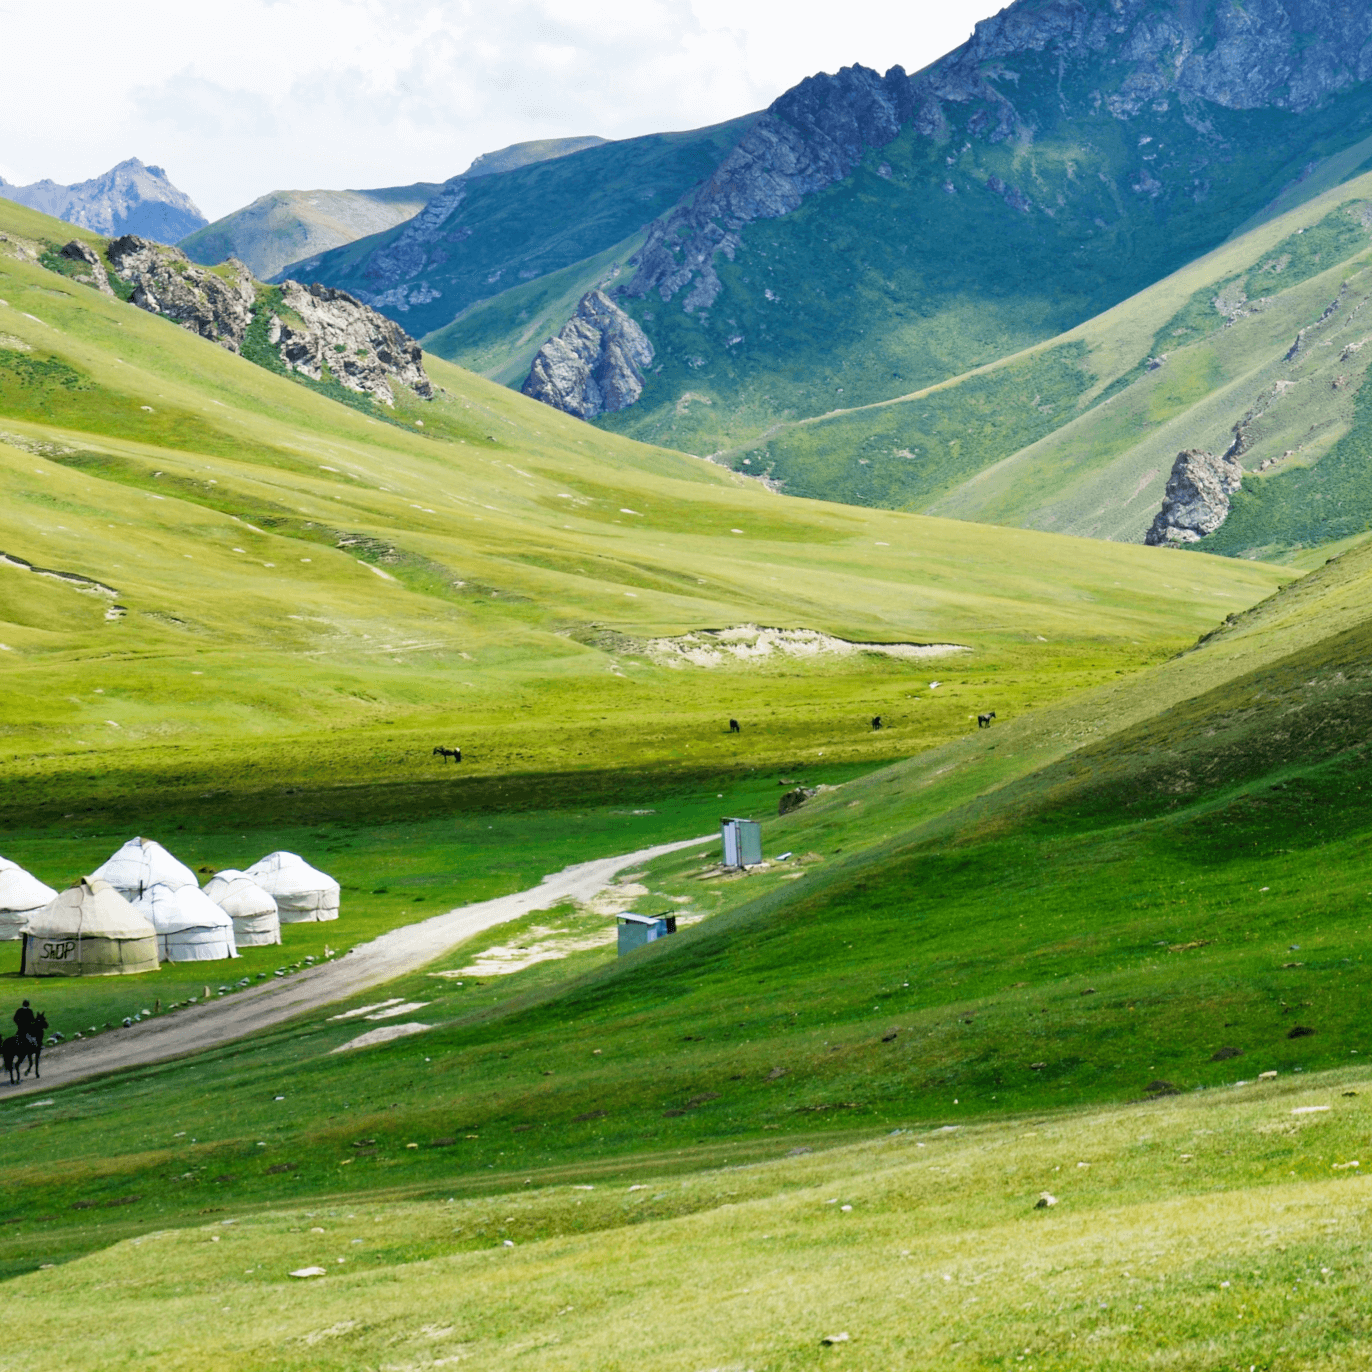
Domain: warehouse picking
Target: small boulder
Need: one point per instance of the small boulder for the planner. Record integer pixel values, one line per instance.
(1045, 1200)
(77, 251)
(794, 799)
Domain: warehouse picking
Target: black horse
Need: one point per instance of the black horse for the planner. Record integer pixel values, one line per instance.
(984, 721)
(876, 722)
(26, 1047)
(733, 727)
(446, 753)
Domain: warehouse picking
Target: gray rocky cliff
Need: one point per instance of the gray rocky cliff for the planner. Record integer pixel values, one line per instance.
(325, 329)
(595, 364)
(811, 137)
(166, 282)
(1196, 501)
(362, 350)
(129, 198)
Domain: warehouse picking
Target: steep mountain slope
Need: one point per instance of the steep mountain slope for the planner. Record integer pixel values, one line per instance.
(129, 198)
(1258, 346)
(347, 567)
(483, 235)
(870, 236)
(285, 226)
(280, 235)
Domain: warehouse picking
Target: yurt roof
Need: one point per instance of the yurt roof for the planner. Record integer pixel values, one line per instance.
(143, 862)
(279, 873)
(173, 909)
(92, 909)
(239, 894)
(20, 890)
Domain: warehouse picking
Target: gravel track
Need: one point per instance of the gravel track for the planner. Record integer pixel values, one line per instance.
(369, 964)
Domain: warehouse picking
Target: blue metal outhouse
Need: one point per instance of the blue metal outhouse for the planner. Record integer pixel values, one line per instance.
(637, 930)
(742, 842)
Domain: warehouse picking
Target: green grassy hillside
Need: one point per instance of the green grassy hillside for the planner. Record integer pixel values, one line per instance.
(498, 338)
(1148, 877)
(1079, 434)
(1155, 888)
(301, 592)
(285, 226)
(1223, 1230)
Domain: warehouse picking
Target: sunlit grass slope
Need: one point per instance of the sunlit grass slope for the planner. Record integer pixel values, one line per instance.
(298, 592)
(1078, 434)
(1226, 1230)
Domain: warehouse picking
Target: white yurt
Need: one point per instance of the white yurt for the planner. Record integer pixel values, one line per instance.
(300, 892)
(190, 926)
(253, 910)
(141, 863)
(21, 895)
(89, 930)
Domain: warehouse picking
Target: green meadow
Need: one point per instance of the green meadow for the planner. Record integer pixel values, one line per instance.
(1061, 955)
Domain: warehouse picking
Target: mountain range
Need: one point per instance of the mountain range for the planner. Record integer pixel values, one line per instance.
(129, 198)
(283, 233)
(869, 237)
(940, 291)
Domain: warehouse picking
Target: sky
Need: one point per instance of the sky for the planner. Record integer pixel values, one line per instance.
(304, 94)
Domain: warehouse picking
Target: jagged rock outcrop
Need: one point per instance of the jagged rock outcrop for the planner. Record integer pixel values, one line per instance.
(77, 251)
(1196, 501)
(810, 137)
(595, 364)
(362, 350)
(166, 282)
(326, 328)
(129, 198)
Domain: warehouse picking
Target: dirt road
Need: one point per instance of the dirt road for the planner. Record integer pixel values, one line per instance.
(369, 964)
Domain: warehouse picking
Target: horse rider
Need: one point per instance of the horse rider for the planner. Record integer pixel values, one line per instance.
(23, 1021)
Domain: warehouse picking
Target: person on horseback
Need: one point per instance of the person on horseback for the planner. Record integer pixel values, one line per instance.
(23, 1020)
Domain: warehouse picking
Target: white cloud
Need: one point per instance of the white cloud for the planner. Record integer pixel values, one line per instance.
(302, 93)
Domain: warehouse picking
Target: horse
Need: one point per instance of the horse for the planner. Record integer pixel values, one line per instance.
(12, 1054)
(984, 721)
(446, 753)
(733, 727)
(17, 1049)
(876, 722)
(33, 1048)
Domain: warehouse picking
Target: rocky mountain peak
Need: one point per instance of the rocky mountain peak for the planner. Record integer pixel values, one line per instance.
(129, 198)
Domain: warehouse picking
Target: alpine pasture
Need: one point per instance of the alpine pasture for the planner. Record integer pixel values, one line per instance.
(992, 966)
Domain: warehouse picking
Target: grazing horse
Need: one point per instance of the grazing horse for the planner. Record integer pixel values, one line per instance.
(733, 727)
(446, 753)
(876, 722)
(984, 721)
